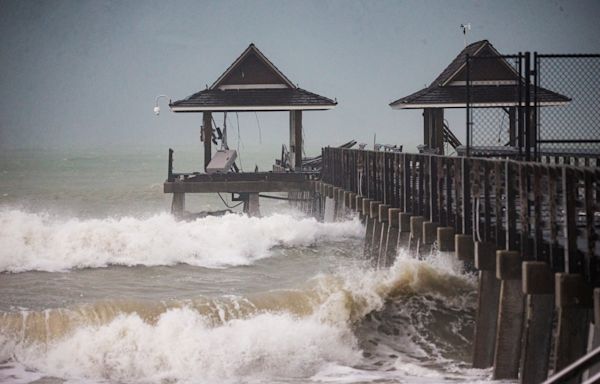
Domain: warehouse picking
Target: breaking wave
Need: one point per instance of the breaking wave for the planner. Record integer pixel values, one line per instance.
(336, 326)
(33, 241)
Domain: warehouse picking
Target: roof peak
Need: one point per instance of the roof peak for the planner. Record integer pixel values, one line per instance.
(257, 72)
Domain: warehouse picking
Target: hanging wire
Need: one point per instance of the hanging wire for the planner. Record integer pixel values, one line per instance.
(259, 130)
(227, 205)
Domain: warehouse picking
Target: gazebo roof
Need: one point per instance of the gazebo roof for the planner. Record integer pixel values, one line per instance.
(252, 83)
(493, 83)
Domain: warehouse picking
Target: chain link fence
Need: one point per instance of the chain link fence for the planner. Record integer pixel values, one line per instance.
(572, 128)
(494, 93)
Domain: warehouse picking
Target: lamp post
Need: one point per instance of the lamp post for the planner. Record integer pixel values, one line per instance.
(156, 107)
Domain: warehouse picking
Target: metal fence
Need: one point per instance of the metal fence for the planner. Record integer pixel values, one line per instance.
(495, 94)
(573, 128)
(549, 110)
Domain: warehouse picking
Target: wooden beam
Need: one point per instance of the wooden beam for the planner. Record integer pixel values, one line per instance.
(437, 130)
(296, 139)
(207, 127)
(236, 186)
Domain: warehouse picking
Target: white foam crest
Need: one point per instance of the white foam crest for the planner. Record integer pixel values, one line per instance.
(31, 241)
(181, 347)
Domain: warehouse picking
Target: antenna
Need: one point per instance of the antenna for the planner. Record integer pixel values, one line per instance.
(465, 28)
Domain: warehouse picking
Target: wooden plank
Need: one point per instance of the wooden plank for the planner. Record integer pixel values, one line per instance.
(466, 196)
(511, 219)
(556, 254)
(500, 234)
(538, 201)
(487, 209)
(433, 190)
(457, 182)
(572, 264)
(589, 261)
(523, 169)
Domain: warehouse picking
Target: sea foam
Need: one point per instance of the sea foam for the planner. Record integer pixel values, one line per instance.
(33, 241)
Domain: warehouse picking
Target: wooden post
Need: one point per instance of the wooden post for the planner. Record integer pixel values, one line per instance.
(538, 285)
(251, 206)
(296, 139)
(437, 130)
(391, 244)
(207, 127)
(377, 227)
(510, 317)
(574, 303)
(383, 220)
(487, 305)
(427, 127)
(178, 204)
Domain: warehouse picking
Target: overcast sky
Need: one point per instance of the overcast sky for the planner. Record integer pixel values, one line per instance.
(85, 73)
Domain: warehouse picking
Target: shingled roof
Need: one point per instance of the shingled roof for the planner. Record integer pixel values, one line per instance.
(252, 83)
(494, 83)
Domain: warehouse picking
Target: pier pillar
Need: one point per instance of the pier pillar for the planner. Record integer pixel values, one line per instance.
(488, 295)
(178, 204)
(358, 208)
(538, 286)
(416, 230)
(464, 248)
(404, 226)
(252, 206)
(391, 243)
(329, 214)
(573, 303)
(383, 220)
(366, 210)
(429, 232)
(594, 338)
(510, 316)
(351, 201)
(445, 239)
(337, 203)
(341, 211)
(376, 237)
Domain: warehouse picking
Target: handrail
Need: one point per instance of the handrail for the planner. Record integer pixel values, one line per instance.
(577, 368)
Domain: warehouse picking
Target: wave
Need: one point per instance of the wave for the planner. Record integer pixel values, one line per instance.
(33, 241)
(321, 329)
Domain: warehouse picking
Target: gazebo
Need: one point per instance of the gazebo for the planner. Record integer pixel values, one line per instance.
(478, 78)
(252, 83)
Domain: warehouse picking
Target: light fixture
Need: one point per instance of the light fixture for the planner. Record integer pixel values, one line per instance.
(156, 107)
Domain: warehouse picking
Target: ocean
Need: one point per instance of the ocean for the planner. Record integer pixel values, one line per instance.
(100, 284)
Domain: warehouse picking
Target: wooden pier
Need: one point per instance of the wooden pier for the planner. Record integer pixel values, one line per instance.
(529, 229)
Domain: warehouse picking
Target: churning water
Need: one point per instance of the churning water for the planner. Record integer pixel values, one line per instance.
(99, 284)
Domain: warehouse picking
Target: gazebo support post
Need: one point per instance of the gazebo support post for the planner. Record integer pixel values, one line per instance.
(433, 129)
(207, 127)
(296, 139)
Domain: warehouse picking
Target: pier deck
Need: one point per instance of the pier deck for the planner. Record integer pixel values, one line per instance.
(251, 182)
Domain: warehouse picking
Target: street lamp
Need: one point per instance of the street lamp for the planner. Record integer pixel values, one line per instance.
(156, 107)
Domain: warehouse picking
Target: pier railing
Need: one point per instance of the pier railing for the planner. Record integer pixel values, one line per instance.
(548, 212)
(529, 228)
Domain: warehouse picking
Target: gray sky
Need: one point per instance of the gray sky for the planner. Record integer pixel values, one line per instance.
(85, 73)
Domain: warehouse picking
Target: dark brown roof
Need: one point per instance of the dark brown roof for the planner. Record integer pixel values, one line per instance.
(252, 83)
(448, 90)
(480, 96)
(253, 100)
